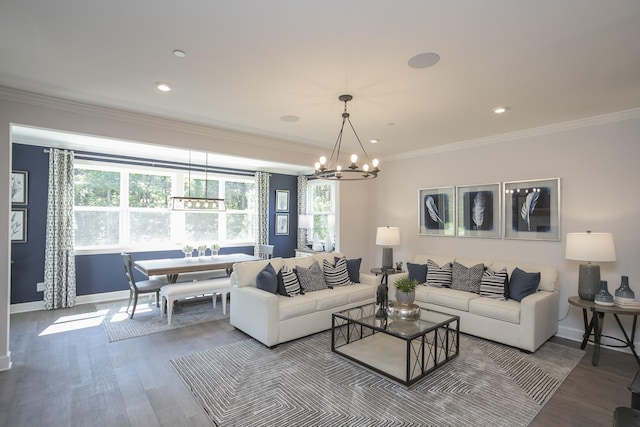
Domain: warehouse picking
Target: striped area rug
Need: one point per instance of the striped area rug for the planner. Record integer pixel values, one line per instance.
(148, 320)
(302, 383)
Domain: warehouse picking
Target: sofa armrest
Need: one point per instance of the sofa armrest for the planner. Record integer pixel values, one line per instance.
(256, 313)
(538, 318)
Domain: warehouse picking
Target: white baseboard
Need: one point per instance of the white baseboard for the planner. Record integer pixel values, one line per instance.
(5, 362)
(83, 299)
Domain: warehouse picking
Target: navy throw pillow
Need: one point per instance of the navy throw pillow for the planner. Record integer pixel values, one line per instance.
(417, 272)
(267, 279)
(353, 268)
(522, 284)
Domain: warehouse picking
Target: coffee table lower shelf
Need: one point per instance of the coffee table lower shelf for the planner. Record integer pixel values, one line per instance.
(404, 351)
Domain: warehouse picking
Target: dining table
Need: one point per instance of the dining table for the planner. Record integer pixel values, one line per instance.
(173, 267)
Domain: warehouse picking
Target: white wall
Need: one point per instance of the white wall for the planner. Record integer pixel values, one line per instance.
(597, 161)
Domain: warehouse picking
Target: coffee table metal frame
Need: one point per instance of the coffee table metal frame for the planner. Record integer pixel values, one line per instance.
(430, 342)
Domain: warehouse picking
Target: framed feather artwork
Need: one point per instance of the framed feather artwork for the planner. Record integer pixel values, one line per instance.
(436, 211)
(478, 211)
(532, 209)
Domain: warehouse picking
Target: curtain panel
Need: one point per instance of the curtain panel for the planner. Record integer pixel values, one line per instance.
(60, 262)
(262, 206)
(302, 210)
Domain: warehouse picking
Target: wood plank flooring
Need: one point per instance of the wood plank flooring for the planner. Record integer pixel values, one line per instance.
(75, 377)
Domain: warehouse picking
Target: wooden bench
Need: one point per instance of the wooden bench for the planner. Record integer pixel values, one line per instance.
(172, 292)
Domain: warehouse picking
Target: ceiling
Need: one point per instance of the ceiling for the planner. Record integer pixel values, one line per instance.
(251, 63)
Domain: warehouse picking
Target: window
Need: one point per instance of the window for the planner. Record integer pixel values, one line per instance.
(321, 204)
(126, 206)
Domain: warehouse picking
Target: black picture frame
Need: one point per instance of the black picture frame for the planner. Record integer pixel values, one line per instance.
(18, 225)
(19, 187)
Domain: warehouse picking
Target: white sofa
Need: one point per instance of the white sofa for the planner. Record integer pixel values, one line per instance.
(274, 319)
(525, 325)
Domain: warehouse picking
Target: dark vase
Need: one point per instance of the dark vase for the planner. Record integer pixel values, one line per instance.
(624, 291)
(603, 297)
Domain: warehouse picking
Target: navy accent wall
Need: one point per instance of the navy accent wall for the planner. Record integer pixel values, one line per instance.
(104, 272)
(285, 246)
(27, 267)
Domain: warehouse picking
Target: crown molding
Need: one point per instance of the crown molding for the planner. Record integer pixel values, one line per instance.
(47, 101)
(527, 133)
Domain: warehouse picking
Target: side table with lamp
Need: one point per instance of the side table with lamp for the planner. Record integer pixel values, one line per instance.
(385, 237)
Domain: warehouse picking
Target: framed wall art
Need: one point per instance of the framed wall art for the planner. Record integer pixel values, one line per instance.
(18, 227)
(282, 224)
(436, 211)
(478, 210)
(19, 187)
(282, 200)
(532, 209)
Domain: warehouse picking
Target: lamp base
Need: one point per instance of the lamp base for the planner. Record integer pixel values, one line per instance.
(588, 281)
(387, 258)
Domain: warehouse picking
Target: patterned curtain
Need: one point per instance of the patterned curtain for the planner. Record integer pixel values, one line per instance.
(302, 209)
(262, 205)
(60, 262)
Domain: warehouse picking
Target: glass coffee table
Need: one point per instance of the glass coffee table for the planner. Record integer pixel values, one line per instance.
(403, 350)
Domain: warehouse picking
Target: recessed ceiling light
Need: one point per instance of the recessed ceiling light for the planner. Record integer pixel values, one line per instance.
(290, 118)
(180, 53)
(374, 141)
(500, 110)
(165, 87)
(424, 60)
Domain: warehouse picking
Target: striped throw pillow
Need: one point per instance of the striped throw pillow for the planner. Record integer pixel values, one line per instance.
(494, 284)
(438, 276)
(336, 275)
(290, 281)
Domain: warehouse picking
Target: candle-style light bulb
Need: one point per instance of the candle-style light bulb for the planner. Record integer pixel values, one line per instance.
(354, 158)
(375, 163)
(323, 160)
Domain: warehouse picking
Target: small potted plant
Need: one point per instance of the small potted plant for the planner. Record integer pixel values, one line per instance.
(201, 251)
(215, 247)
(406, 289)
(188, 251)
(399, 266)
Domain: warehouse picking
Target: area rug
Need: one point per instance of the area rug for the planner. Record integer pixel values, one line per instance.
(147, 319)
(302, 383)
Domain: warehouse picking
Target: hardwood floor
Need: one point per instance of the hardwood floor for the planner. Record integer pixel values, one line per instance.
(66, 373)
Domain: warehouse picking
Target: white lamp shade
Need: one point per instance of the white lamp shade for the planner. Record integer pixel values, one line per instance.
(305, 221)
(388, 236)
(590, 246)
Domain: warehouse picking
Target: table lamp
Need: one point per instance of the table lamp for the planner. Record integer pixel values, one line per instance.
(387, 237)
(589, 247)
(304, 222)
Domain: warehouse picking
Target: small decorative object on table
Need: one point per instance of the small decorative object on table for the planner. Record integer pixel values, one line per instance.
(624, 291)
(188, 251)
(215, 247)
(399, 266)
(403, 311)
(201, 251)
(406, 289)
(382, 299)
(603, 297)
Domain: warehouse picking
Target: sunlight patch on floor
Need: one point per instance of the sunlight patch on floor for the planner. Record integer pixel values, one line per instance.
(75, 322)
(123, 315)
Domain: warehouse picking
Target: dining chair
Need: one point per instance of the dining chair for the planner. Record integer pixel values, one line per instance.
(265, 251)
(137, 287)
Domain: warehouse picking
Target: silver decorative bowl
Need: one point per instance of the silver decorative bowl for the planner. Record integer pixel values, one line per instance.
(403, 311)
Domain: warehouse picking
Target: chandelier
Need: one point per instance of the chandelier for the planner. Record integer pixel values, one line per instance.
(333, 170)
(184, 203)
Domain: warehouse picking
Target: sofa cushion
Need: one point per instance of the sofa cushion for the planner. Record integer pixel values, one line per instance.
(466, 278)
(548, 275)
(298, 306)
(267, 279)
(508, 311)
(353, 268)
(332, 298)
(418, 272)
(336, 275)
(311, 279)
(450, 298)
(245, 273)
(360, 292)
(494, 284)
(288, 282)
(522, 284)
(438, 276)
